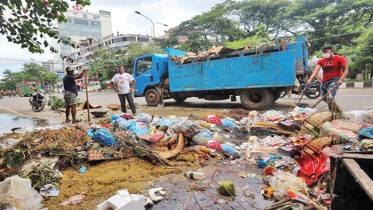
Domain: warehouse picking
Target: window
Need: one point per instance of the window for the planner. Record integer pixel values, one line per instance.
(74, 13)
(81, 22)
(143, 65)
(132, 38)
(84, 16)
(95, 17)
(143, 39)
(95, 23)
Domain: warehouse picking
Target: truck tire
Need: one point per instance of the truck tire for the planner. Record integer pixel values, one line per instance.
(256, 98)
(152, 97)
(276, 95)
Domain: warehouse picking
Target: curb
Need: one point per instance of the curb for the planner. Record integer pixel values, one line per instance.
(357, 85)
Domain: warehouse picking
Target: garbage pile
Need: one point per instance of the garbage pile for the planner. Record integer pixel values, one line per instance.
(292, 149)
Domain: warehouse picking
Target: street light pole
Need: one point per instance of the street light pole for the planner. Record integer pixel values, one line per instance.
(137, 12)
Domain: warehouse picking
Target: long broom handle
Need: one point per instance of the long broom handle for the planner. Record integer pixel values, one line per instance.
(86, 93)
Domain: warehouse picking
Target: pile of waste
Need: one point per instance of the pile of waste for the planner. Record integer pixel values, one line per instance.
(290, 150)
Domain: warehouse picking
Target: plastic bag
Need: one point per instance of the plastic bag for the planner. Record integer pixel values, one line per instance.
(17, 192)
(348, 125)
(272, 114)
(166, 122)
(145, 118)
(8, 143)
(202, 137)
(214, 120)
(359, 115)
(230, 149)
(212, 144)
(284, 181)
(102, 136)
(327, 129)
(366, 133)
(113, 117)
(229, 124)
(186, 127)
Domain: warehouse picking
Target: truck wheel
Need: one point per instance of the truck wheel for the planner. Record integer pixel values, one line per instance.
(256, 98)
(276, 95)
(152, 97)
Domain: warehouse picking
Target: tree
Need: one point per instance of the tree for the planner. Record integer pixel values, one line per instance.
(105, 61)
(30, 21)
(31, 71)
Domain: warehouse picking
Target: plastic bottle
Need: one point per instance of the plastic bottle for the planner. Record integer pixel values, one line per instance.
(195, 175)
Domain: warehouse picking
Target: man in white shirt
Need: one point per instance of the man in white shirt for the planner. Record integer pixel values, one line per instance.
(124, 91)
(99, 88)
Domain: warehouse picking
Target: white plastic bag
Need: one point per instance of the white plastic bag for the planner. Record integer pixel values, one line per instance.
(17, 192)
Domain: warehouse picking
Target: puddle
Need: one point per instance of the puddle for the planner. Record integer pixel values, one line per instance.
(177, 186)
(9, 121)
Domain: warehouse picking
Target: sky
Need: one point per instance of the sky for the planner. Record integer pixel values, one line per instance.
(123, 18)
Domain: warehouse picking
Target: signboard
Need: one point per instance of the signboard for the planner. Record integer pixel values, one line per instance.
(77, 7)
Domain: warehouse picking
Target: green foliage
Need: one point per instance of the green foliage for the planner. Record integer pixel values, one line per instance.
(57, 103)
(106, 61)
(342, 23)
(30, 21)
(31, 71)
(13, 157)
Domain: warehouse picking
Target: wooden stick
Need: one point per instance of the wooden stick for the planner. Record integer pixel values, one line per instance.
(302, 94)
(315, 76)
(86, 93)
(322, 98)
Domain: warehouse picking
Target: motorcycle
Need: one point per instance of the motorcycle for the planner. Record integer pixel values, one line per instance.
(312, 91)
(38, 100)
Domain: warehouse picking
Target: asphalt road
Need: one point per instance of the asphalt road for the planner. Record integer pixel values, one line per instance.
(348, 99)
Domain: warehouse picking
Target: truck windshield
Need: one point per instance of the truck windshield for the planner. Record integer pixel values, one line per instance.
(143, 64)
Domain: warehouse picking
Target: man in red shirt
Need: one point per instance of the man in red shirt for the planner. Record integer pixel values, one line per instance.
(332, 66)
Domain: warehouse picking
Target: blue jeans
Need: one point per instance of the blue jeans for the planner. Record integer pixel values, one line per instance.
(328, 85)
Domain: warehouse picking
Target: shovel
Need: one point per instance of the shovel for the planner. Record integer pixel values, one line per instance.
(161, 103)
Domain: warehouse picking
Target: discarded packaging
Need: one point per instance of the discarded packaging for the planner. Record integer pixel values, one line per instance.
(195, 175)
(123, 200)
(227, 188)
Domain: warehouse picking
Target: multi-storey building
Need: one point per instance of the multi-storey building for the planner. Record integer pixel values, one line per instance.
(84, 52)
(80, 26)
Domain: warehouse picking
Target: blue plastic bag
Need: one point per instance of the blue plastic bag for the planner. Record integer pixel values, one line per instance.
(113, 117)
(102, 136)
(166, 122)
(366, 133)
(204, 134)
(229, 124)
(231, 150)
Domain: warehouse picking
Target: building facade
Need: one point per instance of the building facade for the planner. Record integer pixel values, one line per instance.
(49, 65)
(84, 53)
(80, 26)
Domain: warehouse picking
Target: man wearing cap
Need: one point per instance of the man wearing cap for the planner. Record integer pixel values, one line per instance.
(332, 66)
(124, 91)
(71, 92)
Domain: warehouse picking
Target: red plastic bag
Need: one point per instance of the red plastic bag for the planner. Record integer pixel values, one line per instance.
(214, 120)
(214, 145)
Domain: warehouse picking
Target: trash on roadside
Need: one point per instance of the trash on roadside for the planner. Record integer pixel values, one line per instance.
(82, 170)
(123, 200)
(153, 192)
(195, 175)
(76, 199)
(18, 193)
(227, 188)
(49, 190)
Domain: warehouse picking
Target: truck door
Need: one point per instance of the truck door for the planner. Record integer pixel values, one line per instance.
(143, 74)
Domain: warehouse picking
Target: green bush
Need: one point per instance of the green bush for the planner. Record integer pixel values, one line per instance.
(56, 102)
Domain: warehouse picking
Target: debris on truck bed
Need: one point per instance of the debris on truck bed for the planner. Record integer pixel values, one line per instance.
(269, 158)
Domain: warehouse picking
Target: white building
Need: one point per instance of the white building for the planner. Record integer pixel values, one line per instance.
(80, 26)
(82, 54)
(49, 65)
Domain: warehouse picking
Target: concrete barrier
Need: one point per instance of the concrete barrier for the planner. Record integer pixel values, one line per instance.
(357, 85)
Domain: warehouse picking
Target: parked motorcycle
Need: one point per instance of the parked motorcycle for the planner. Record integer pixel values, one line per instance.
(38, 100)
(312, 92)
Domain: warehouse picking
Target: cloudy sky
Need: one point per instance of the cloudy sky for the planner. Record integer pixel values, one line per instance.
(124, 19)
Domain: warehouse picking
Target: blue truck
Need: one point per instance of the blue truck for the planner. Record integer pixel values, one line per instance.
(258, 76)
